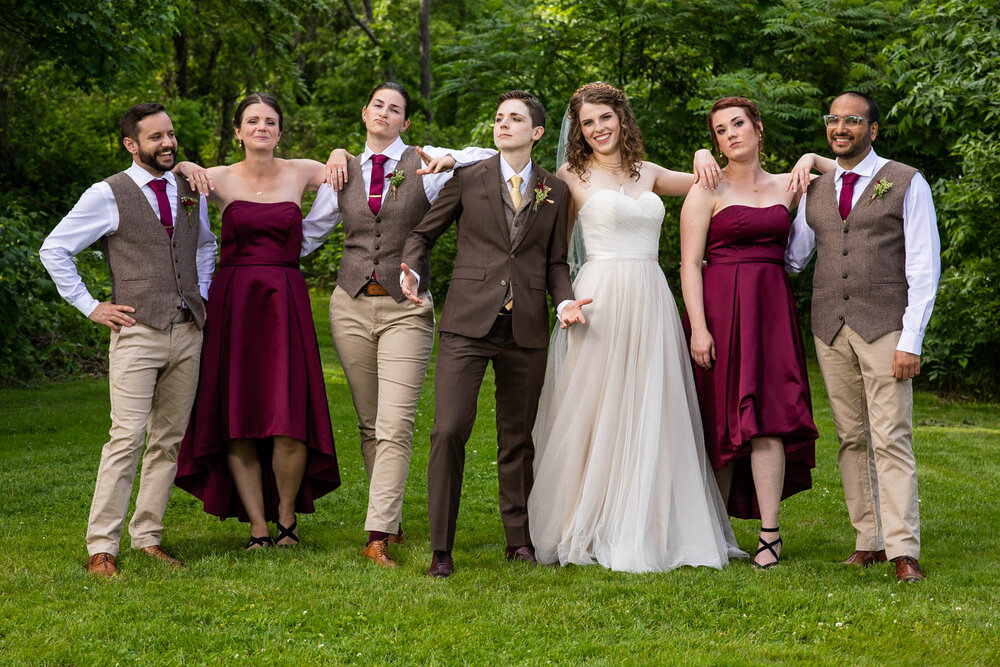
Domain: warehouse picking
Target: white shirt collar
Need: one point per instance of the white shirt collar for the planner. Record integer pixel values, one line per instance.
(507, 171)
(394, 151)
(864, 168)
(143, 177)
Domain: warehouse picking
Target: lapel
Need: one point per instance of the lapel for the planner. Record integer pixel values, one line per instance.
(492, 185)
(538, 175)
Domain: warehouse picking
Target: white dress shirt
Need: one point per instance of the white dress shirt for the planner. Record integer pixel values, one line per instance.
(920, 237)
(507, 172)
(325, 215)
(96, 215)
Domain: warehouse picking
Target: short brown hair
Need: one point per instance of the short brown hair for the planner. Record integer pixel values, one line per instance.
(535, 107)
(128, 124)
(743, 103)
(257, 98)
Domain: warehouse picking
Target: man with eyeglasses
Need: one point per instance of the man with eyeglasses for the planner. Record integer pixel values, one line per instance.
(872, 225)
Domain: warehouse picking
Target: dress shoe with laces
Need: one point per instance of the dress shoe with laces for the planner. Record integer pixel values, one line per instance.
(525, 553)
(157, 552)
(866, 558)
(908, 569)
(377, 552)
(398, 538)
(102, 565)
(441, 565)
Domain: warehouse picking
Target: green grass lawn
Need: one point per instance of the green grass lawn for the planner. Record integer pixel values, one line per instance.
(323, 603)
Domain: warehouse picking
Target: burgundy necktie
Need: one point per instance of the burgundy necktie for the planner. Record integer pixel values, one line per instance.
(377, 183)
(847, 193)
(159, 186)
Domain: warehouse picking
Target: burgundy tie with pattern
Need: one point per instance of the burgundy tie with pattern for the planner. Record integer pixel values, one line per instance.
(377, 183)
(159, 187)
(847, 193)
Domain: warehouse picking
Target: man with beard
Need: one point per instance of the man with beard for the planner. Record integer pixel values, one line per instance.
(872, 224)
(155, 237)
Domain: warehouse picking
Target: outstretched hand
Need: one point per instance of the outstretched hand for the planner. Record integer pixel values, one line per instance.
(113, 316)
(572, 313)
(434, 165)
(409, 283)
(706, 169)
(336, 168)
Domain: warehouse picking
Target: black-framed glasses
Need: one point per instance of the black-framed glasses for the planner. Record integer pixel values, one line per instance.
(831, 120)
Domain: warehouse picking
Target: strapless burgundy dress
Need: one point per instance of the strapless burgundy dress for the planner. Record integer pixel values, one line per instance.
(260, 368)
(758, 386)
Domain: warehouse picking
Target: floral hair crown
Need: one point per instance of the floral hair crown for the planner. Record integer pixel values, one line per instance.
(599, 85)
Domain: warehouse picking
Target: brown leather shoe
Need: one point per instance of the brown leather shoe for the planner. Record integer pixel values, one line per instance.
(441, 566)
(399, 538)
(866, 558)
(525, 553)
(102, 565)
(377, 552)
(908, 569)
(157, 552)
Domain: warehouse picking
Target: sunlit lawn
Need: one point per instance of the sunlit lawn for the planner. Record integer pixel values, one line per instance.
(322, 603)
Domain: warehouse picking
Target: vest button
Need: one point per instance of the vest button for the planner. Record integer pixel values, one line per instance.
(844, 253)
(840, 317)
(377, 234)
(377, 246)
(845, 274)
(375, 261)
(378, 219)
(846, 297)
(512, 255)
(503, 282)
(846, 228)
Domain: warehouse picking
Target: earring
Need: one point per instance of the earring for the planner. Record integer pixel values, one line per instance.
(760, 143)
(241, 145)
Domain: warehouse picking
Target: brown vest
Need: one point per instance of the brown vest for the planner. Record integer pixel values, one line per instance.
(860, 277)
(375, 242)
(149, 270)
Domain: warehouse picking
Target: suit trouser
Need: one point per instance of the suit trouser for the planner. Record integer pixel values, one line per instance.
(153, 376)
(873, 415)
(519, 373)
(384, 348)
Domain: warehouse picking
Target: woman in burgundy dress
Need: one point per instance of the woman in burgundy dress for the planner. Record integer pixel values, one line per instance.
(259, 445)
(750, 368)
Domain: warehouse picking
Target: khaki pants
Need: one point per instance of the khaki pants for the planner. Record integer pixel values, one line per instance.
(873, 415)
(384, 348)
(153, 376)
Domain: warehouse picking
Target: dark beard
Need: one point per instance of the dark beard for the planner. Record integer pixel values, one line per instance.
(155, 161)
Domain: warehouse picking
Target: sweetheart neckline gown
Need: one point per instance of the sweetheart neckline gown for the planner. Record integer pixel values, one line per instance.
(621, 474)
(758, 385)
(260, 370)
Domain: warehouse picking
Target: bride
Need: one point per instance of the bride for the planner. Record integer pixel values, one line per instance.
(621, 473)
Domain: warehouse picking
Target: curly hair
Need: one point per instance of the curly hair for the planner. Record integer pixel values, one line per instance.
(753, 113)
(578, 151)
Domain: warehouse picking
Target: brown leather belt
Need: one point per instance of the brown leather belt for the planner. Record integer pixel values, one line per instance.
(372, 288)
(182, 316)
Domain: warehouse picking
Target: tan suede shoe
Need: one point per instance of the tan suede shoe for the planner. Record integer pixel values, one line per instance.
(378, 552)
(102, 565)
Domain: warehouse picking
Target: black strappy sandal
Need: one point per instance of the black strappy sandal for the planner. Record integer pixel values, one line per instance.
(767, 546)
(262, 542)
(288, 532)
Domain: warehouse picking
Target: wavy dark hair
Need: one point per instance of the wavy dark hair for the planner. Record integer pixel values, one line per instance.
(752, 112)
(578, 151)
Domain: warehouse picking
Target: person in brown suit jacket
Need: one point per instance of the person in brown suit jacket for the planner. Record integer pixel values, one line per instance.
(512, 238)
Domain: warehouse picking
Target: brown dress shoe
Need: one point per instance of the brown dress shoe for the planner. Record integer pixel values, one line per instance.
(377, 552)
(525, 553)
(102, 565)
(399, 538)
(908, 569)
(157, 552)
(441, 566)
(866, 558)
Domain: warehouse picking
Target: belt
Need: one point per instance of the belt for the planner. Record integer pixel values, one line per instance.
(372, 288)
(183, 315)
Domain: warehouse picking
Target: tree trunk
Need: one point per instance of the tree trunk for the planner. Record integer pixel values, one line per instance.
(425, 57)
(181, 60)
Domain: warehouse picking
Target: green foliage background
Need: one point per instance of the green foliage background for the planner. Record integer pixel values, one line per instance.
(66, 74)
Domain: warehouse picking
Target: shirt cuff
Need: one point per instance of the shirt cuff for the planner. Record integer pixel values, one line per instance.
(415, 275)
(86, 304)
(560, 307)
(910, 342)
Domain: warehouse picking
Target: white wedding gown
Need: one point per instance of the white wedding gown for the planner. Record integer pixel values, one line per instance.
(621, 473)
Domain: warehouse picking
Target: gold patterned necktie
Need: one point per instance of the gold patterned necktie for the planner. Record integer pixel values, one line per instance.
(515, 191)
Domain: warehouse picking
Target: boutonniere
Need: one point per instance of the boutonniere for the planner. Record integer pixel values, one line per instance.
(542, 195)
(881, 187)
(189, 203)
(395, 180)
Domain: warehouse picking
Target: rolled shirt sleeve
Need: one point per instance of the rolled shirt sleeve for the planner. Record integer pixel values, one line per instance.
(923, 263)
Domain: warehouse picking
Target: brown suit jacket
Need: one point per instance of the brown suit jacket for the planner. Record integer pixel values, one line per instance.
(487, 260)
